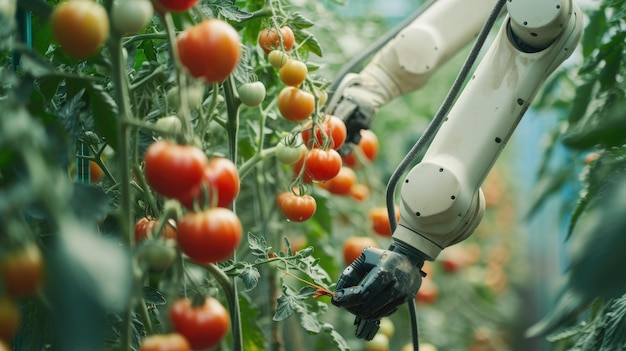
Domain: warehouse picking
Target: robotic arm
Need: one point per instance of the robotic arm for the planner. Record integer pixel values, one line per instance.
(441, 200)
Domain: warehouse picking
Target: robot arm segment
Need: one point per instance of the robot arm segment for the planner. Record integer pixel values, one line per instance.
(441, 198)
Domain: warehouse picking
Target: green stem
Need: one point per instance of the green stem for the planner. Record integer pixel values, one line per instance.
(259, 156)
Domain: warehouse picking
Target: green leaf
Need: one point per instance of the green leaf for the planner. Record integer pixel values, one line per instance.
(584, 94)
(594, 30)
(336, 338)
(614, 337)
(104, 112)
(250, 276)
(228, 10)
(253, 338)
(285, 306)
(258, 246)
(298, 21)
(565, 333)
(307, 41)
(153, 296)
(309, 321)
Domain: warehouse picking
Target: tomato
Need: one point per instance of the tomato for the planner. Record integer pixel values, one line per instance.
(173, 5)
(380, 342)
(209, 236)
(210, 50)
(294, 104)
(95, 172)
(379, 219)
(220, 181)
(7, 10)
(422, 347)
(252, 94)
(22, 270)
(331, 129)
(354, 246)
(165, 342)
(158, 255)
(368, 146)
(174, 170)
(131, 16)
(297, 208)
(170, 125)
(360, 192)
(9, 318)
(203, 326)
(193, 92)
(80, 27)
(293, 73)
(427, 293)
(297, 170)
(290, 150)
(277, 58)
(323, 164)
(342, 183)
(145, 227)
(387, 327)
(270, 40)
(322, 97)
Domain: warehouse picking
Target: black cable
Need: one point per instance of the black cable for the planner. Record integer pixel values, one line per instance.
(427, 137)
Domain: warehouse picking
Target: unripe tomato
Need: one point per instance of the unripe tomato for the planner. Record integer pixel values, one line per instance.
(379, 219)
(165, 342)
(251, 94)
(209, 236)
(323, 164)
(203, 326)
(354, 246)
(131, 16)
(210, 50)
(8, 9)
(174, 170)
(290, 150)
(277, 58)
(173, 5)
(297, 208)
(387, 327)
(9, 318)
(293, 73)
(332, 132)
(220, 181)
(170, 124)
(80, 27)
(157, 255)
(380, 342)
(295, 105)
(194, 94)
(270, 40)
(22, 271)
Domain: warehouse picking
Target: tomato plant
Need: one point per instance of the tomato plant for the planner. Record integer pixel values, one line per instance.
(22, 270)
(131, 16)
(220, 181)
(323, 164)
(331, 131)
(210, 50)
(204, 326)
(353, 247)
(9, 318)
(368, 146)
(297, 208)
(295, 105)
(252, 94)
(165, 342)
(269, 39)
(174, 170)
(209, 236)
(293, 72)
(80, 27)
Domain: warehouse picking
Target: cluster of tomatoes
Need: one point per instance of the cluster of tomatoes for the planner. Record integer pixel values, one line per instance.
(21, 276)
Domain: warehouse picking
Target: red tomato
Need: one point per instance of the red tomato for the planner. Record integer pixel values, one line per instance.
(22, 271)
(380, 220)
(9, 318)
(173, 5)
(80, 27)
(203, 326)
(332, 129)
(297, 208)
(360, 192)
(295, 105)
(209, 236)
(427, 293)
(368, 146)
(95, 173)
(210, 50)
(269, 39)
(293, 73)
(145, 226)
(323, 164)
(297, 169)
(342, 183)
(221, 182)
(354, 246)
(173, 170)
(165, 342)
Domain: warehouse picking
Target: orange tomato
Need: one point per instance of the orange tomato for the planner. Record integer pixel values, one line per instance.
(379, 219)
(354, 246)
(80, 27)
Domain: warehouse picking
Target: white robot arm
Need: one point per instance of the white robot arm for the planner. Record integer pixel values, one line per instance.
(441, 201)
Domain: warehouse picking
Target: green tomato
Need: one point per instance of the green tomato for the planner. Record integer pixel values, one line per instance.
(290, 152)
(252, 94)
(277, 58)
(131, 16)
(380, 342)
(195, 96)
(169, 124)
(157, 254)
